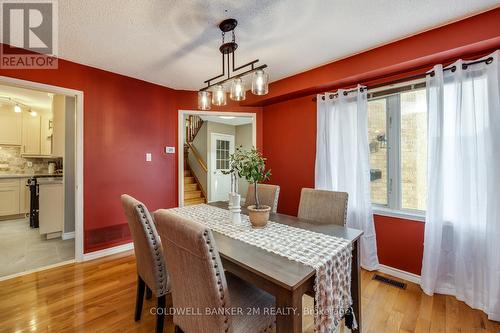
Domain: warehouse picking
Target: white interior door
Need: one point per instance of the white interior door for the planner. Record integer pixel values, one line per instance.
(222, 145)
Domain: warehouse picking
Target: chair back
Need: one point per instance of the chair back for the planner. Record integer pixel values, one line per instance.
(196, 273)
(149, 256)
(268, 195)
(327, 207)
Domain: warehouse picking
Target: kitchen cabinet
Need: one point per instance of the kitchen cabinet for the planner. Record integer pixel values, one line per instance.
(24, 196)
(11, 125)
(31, 135)
(9, 197)
(51, 200)
(46, 135)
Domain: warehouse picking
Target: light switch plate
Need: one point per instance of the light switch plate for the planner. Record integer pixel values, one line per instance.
(148, 157)
(170, 150)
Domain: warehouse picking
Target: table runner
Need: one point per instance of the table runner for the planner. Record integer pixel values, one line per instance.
(330, 256)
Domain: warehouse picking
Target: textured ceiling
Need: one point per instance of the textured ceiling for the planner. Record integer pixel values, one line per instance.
(175, 43)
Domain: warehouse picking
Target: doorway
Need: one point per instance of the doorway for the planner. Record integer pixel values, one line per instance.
(44, 153)
(206, 139)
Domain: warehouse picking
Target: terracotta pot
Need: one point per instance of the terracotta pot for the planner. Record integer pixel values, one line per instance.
(259, 217)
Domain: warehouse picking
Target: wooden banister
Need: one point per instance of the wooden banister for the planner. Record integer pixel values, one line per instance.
(193, 125)
(198, 157)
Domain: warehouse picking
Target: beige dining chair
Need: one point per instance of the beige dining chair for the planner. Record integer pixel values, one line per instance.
(199, 282)
(268, 195)
(150, 261)
(326, 207)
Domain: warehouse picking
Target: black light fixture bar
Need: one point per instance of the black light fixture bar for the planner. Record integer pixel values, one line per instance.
(228, 49)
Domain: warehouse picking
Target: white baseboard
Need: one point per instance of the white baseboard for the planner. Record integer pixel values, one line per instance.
(108, 251)
(399, 274)
(68, 235)
(62, 263)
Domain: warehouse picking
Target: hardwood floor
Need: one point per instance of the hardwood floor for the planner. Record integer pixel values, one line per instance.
(99, 296)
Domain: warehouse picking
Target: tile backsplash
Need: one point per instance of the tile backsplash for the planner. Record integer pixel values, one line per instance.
(11, 162)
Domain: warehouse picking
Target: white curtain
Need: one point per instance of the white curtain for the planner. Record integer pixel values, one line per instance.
(342, 161)
(462, 230)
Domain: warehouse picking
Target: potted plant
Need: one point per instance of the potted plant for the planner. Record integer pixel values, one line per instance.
(252, 167)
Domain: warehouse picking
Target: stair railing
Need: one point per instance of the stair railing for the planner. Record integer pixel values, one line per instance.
(193, 125)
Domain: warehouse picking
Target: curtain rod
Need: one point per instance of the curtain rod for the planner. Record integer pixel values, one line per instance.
(488, 61)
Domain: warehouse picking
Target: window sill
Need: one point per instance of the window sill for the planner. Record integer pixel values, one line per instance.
(398, 214)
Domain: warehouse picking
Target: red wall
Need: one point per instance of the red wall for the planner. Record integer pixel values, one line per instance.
(290, 125)
(123, 119)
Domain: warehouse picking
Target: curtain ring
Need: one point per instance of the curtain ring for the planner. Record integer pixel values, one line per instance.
(489, 60)
(453, 69)
(323, 97)
(345, 93)
(332, 96)
(464, 66)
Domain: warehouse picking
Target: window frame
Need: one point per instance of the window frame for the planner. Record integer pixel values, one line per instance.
(394, 208)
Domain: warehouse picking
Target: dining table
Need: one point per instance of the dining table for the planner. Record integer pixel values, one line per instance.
(285, 279)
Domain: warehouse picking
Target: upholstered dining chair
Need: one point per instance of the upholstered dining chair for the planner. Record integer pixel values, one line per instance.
(268, 195)
(151, 269)
(326, 207)
(199, 282)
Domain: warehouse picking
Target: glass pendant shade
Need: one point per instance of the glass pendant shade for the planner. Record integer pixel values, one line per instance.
(260, 83)
(219, 95)
(204, 100)
(237, 92)
(17, 109)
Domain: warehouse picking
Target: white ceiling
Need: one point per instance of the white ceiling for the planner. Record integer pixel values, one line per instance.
(175, 43)
(235, 121)
(37, 100)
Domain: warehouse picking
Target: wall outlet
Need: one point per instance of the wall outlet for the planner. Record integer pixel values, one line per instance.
(149, 157)
(170, 150)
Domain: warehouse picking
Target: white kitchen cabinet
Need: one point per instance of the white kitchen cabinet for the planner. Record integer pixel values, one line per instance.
(51, 200)
(11, 125)
(31, 135)
(24, 196)
(46, 135)
(9, 197)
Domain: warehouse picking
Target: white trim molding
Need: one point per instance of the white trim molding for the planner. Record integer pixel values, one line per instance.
(107, 252)
(79, 149)
(68, 235)
(180, 140)
(411, 277)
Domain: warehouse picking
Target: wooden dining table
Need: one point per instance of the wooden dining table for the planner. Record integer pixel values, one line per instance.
(285, 279)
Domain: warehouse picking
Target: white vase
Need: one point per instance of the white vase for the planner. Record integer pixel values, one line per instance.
(234, 207)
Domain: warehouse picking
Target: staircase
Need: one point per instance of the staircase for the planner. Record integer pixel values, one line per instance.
(193, 193)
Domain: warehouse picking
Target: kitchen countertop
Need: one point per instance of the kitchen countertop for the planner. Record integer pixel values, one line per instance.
(28, 175)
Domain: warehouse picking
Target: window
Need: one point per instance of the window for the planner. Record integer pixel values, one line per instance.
(397, 134)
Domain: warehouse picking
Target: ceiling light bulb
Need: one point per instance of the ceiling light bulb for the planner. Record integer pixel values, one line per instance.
(219, 95)
(260, 83)
(33, 113)
(204, 100)
(237, 92)
(17, 109)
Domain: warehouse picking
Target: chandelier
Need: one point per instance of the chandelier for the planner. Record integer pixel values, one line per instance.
(232, 80)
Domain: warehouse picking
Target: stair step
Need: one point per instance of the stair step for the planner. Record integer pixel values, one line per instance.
(187, 173)
(189, 180)
(193, 201)
(192, 194)
(190, 187)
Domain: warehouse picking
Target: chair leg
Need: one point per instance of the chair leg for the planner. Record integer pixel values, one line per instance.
(149, 293)
(139, 298)
(160, 314)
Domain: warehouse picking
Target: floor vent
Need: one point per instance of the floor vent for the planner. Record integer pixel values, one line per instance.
(392, 282)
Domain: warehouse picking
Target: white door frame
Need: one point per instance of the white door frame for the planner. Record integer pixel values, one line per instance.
(210, 161)
(79, 149)
(180, 143)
